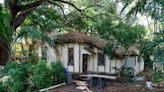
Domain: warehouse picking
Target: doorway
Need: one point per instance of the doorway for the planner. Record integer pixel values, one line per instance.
(85, 63)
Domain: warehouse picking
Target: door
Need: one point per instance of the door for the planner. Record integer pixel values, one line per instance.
(85, 63)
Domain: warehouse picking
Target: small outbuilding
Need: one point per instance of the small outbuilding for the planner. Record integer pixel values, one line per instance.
(81, 53)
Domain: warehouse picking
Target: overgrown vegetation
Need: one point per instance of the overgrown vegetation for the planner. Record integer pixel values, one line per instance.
(38, 18)
(41, 76)
(17, 77)
(124, 74)
(57, 67)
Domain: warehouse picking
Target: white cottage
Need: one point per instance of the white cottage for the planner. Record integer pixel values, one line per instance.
(81, 53)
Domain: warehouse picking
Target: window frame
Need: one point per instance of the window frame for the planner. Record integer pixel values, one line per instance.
(70, 56)
(44, 51)
(101, 62)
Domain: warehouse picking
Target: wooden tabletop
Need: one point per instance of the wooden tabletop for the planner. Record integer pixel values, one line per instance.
(99, 76)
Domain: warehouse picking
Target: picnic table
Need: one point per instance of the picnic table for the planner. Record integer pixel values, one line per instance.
(95, 80)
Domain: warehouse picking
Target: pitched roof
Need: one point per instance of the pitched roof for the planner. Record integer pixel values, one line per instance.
(76, 37)
(119, 52)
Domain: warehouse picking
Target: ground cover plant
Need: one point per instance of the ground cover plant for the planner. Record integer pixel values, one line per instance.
(24, 76)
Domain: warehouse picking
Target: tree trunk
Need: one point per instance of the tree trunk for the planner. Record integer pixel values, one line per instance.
(4, 52)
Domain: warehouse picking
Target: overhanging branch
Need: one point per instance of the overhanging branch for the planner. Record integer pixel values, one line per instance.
(61, 8)
(21, 17)
(31, 5)
(69, 3)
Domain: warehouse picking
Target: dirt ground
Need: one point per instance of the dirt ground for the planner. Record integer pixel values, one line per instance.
(112, 87)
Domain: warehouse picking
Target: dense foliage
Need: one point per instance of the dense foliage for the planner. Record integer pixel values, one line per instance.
(57, 68)
(6, 30)
(41, 76)
(125, 73)
(37, 19)
(153, 8)
(17, 77)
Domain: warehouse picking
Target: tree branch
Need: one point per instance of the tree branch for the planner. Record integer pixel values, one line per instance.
(31, 5)
(69, 3)
(59, 7)
(13, 2)
(93, 5)
(21, 17)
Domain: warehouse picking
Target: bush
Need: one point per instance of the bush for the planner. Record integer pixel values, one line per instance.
(125, 73)
(16, 74)
(14, 85)
(158, 76)
(1, 87)
(58, 72)
(42, 76)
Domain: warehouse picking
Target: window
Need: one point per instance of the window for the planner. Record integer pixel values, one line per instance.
(44, 53)
(70, 56)
(101, 59)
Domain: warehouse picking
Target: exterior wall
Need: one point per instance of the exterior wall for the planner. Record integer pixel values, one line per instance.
(135, 63)
(113, 64)
(39, 52)
(91, 63)
(131, 62)
(118, 63)
(92, 60)
(64, 57)
(142, 65)
(51, 56)
(137, 67)
(107, 64)
(76, 58)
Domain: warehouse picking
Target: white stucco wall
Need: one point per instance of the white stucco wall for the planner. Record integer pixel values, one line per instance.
(76, 58)
(51, 56)
(92, 60)
(91, 63)
(113, 64)
(101, 69)
(95, 60)
(134, 62)
(64, 57)
(107, 64)
(142, 64)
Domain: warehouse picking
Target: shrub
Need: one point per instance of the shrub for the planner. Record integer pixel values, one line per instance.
(58, 72)
(14, 85)
(125, 73)
(158, 76)
(17, 75)
(42, 76)
(1, 87)
(22, 69)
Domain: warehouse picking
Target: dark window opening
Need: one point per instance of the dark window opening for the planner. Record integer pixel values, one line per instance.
(101, 59)
(44, 53)
(70, 56)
